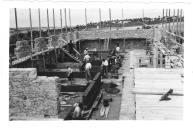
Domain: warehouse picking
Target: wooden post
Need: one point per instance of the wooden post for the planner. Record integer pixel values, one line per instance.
(16, 24)
(163, 19)
(85, 17)
(110, 18)
(100, 18)
(177, 22)
(123, 31)
(109, 40)
(180, 29)
(70, 20)
(174, 21)
(161, 59)
(169, 22)
(61, 19)
(65, 20)
(56, 56)
(143, 16)
(48, 22)
(44, 63)
(166, 19)
(31, 31)
(54, 22)
(40, 31)
(31, 36)
(155, 57)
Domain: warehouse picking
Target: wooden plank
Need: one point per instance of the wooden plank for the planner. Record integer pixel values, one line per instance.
(150, 91)
(158, 71)
(157, 76)
(149, 107)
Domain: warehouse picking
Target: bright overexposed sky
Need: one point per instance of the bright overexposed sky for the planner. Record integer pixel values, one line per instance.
(77, 15)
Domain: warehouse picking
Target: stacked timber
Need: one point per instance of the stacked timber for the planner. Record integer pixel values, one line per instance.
(22, 49)
(150, 85)
(31, 96)
(41, 44)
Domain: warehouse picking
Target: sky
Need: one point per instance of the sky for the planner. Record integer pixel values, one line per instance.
(77, 15)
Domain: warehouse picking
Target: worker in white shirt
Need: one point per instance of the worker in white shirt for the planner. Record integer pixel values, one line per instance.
(69, 74)
(88, 67)
(86, 58)
(104, 67)
(86, 51)
(117, 49)
(77, 111)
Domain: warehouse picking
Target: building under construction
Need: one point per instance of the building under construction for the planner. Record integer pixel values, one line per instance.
(143, 80)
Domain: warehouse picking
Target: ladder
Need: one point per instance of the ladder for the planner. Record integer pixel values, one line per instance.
(71, 56)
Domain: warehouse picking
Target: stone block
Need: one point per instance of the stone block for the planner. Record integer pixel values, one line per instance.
(32, 96)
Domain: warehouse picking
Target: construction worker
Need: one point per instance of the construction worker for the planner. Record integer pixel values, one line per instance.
(69, 74)
(104, 67)
(117, 49)
(88, 67)
(86, 58)
(86, 51)
(77, 111)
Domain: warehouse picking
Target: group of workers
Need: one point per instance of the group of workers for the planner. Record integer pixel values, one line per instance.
(88, 66)
(108, 64)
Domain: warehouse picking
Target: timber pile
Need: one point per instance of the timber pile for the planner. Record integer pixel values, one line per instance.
(150, 85)
(31, 96)
(40, 44)
(22, 49)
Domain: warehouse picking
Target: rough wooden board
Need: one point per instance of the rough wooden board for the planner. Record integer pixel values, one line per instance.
(157, 76)
(158, 70)
(148, 107)
(154, 91)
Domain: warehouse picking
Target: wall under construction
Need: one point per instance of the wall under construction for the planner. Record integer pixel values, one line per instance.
(30, 96)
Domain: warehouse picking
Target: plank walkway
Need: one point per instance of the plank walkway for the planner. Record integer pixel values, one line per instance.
(143, 88)
(127, 111)
(150, 84)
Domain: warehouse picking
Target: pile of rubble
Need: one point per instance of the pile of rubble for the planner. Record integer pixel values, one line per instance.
(31, 96)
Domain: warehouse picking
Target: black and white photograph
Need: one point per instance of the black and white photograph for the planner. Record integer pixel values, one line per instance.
(96, 64)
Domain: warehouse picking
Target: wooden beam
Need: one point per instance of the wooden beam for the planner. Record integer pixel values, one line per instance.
(61, 19)
(169, 21)
(65, 20)
(48, 22)
(148, 91)
(70, 20)
(40, 31)
(16, 24)
(85, 17)
(173, 28)
(100, 18)
(54, 22)
(31, 31)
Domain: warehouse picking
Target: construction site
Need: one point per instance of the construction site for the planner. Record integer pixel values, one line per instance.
(137, 70)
